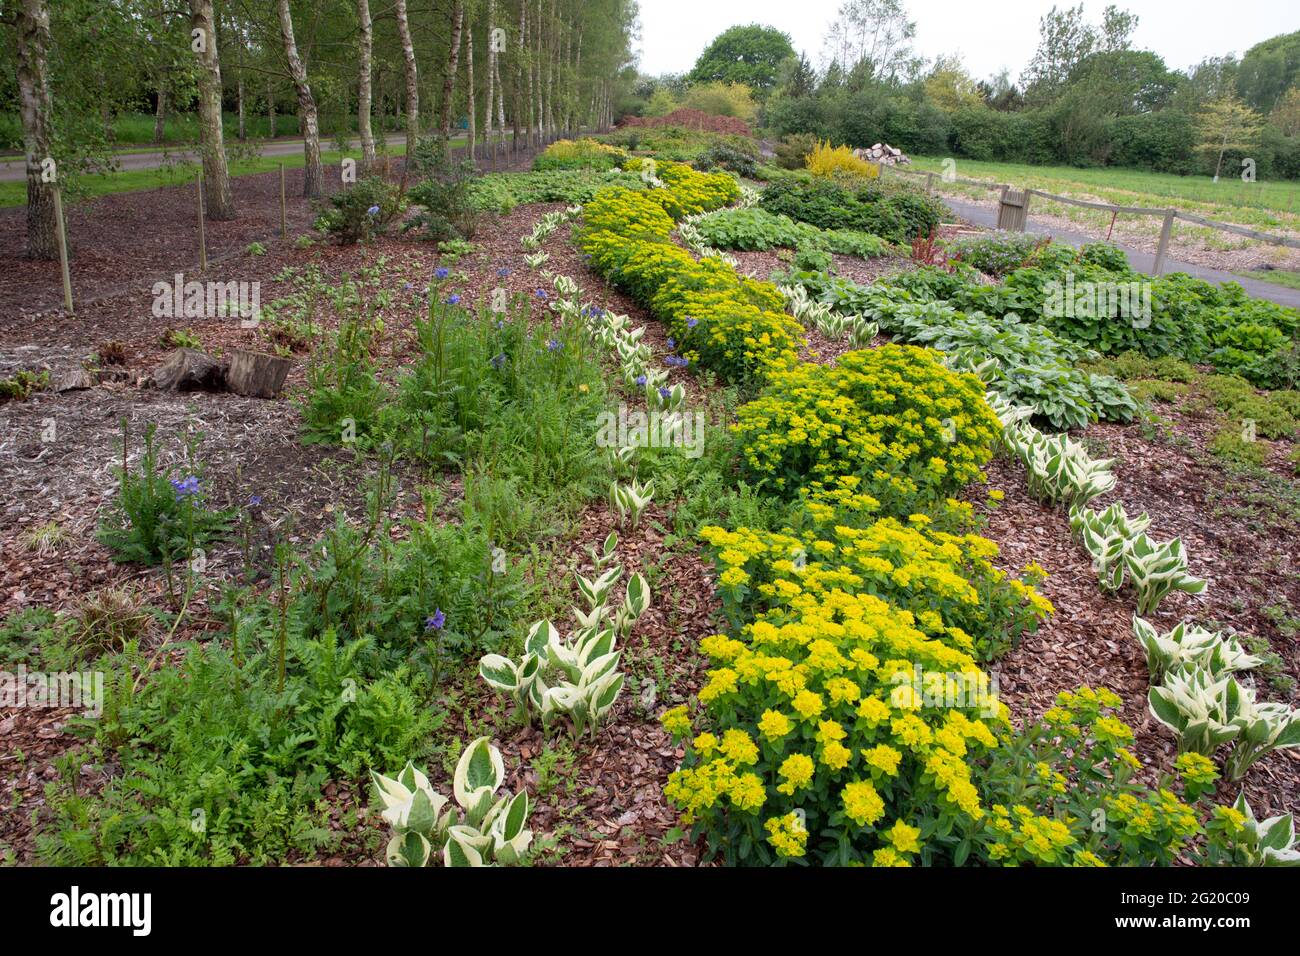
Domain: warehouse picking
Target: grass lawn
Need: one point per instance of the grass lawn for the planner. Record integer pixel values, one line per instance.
(1264, 203)
(15, 193)
(1276, 276)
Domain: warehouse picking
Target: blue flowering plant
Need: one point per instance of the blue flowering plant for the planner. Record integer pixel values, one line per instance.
(362, 210)
(161, 514)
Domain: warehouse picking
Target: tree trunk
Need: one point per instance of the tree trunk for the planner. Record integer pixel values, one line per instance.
(239, 92)
(313, 180)
(525, 117)
(270, 108)
(469, 88)
(160, 115)
(33, 22)
(491, 73)
(449, 81)
(412, 82)
(219, 204)
(363, 89)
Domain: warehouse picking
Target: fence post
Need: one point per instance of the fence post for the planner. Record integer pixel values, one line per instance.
(63, 251)
(929, 183)
(284, 224)
(203, 241)
(1162, 250)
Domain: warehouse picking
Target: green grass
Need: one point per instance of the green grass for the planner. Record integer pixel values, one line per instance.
(1124, 186)
(136, 129)
(1276, 276)
(15, 193)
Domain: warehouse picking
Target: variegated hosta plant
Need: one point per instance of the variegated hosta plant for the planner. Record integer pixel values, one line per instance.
(1190, 645)
(488, 829)
(1198, 707)
(630, 500)
(578, 678)
(1060, 470)
(1263, 728)
(1105, 536)
(1158, 569)
(1252, 842)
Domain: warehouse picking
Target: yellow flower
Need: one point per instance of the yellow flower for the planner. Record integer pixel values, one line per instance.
(884, 758)
(705, 744)
(676, 721)
(905, 839)
(797, 770)
(739, 747)
(862, 803)
(774, 725)
(886, 856)
(807, 704)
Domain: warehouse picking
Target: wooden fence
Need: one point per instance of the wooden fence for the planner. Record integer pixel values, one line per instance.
(1013, 211)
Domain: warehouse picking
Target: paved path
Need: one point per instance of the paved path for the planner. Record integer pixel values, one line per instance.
(1139, 260)
(12, 170)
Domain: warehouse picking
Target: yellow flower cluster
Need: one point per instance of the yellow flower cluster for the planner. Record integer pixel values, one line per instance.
(579, 154)
(947, 581)
(894, 414)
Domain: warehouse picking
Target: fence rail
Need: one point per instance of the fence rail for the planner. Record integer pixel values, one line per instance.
(1017, 219)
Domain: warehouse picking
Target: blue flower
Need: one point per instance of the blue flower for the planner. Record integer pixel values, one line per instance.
(692, 323)
(640, 379)
(407, 286)
(540, 293)
(183, 489)
(671, 343)
(372, 211)
(553, 345)
(254, 500)
(676, 361)
(435, 622)
(441, 272)
(664, 391)
(499, 361)
(453, 299)
(502, 272)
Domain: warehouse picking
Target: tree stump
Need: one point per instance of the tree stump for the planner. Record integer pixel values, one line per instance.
(255, 374)
(186, 370)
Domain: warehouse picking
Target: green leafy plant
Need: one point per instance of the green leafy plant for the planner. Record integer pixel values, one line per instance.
(158, 518)
(488, 830)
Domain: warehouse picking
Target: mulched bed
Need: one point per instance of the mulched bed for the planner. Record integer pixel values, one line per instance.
(604, 803)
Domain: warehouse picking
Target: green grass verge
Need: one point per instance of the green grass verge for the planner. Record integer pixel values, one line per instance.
(15, 193)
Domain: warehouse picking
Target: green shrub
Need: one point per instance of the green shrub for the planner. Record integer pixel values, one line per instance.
(894, 212)
(158, 518)
(362, 210)
(444, 201)
(583, 153)
(894, 417)
(793, 148)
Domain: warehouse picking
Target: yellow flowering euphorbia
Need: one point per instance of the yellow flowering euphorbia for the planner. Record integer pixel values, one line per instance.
(913, 429)
(806, 695)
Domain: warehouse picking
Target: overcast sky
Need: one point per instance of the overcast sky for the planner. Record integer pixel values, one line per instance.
(989, 35)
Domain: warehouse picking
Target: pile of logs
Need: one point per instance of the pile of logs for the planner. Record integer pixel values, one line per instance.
(883, 154)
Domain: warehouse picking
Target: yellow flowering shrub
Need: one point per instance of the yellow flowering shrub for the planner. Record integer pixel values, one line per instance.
(946, 580)
(733, 325)
(828, 160)
(821, 741)
(585, 153)
(913, 430)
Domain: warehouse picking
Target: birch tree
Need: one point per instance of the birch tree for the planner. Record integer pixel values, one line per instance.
(313, 181)
(31, 20)
(367, 39)
(412, 80)
(220, 204)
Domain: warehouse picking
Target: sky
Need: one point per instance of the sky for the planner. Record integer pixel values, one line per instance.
(989, 36)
